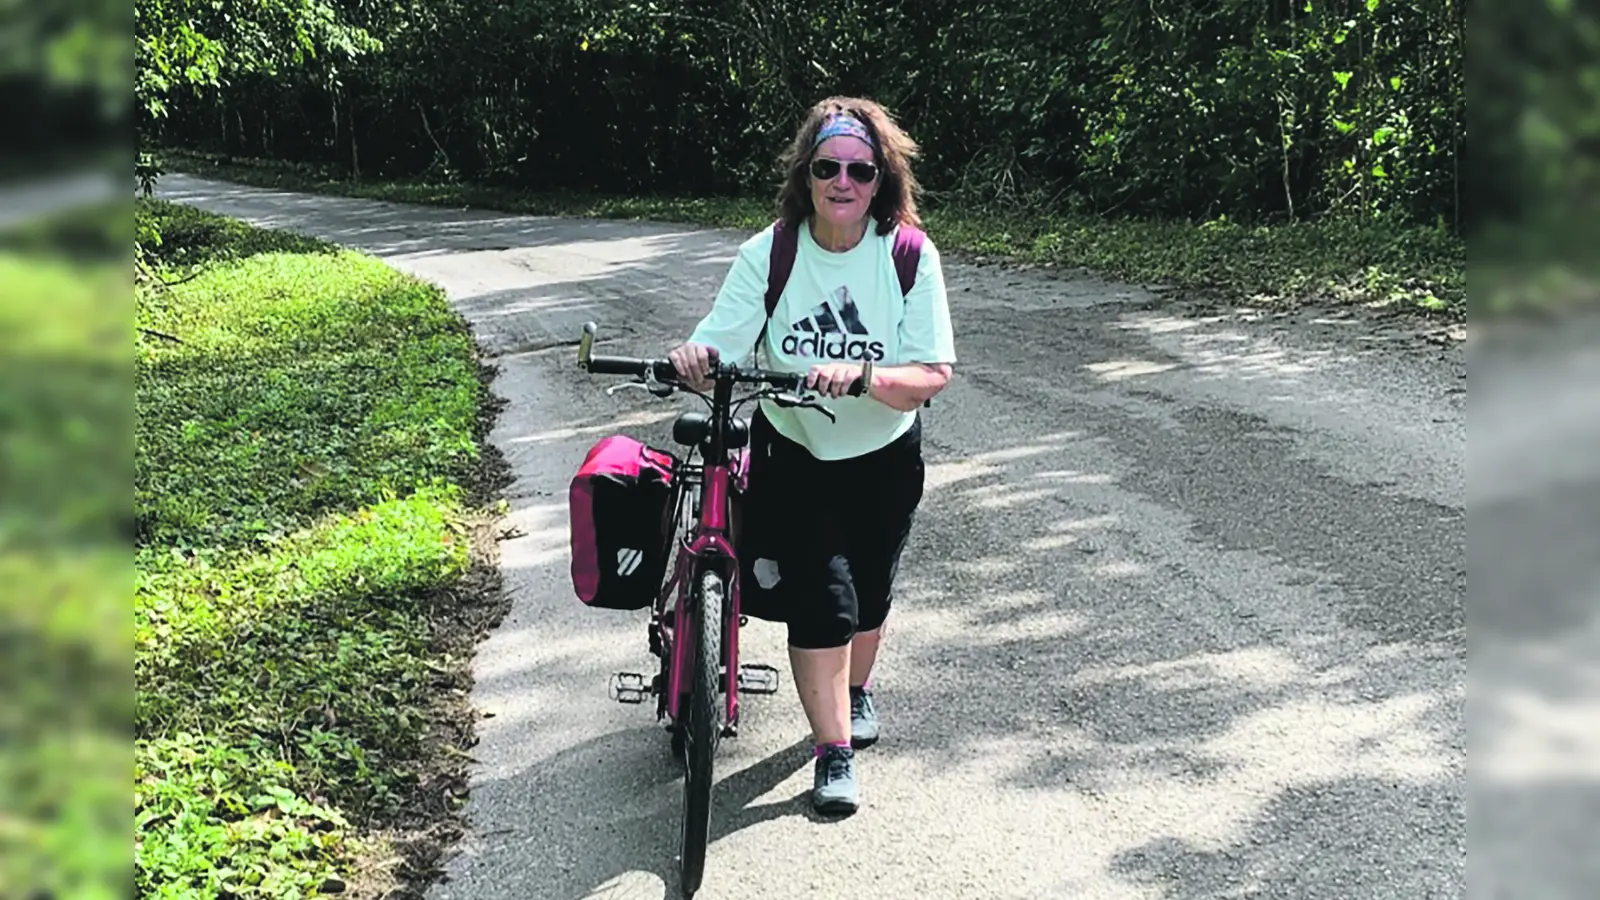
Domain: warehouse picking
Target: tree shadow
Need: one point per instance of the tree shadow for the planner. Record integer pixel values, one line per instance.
(1169, 605)
(609, 809)
(1533, 837)
(1318, 840)
(1540, 548)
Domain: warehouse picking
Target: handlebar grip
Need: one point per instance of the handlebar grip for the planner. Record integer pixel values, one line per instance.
(662, 369)
(615, 365)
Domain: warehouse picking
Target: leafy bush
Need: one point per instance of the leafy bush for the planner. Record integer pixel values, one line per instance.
(1182, 110)
(218, 820)
(179, 236)
(267, 678)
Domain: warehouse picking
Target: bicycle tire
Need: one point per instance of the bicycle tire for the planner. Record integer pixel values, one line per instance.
(702, 732)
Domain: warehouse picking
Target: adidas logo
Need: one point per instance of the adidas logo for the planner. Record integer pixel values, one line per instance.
(830, 333)
(628, 561)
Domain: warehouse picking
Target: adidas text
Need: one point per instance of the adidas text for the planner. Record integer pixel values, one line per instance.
(816, 346)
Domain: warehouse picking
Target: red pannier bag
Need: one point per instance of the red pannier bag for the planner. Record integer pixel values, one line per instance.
(620, 506)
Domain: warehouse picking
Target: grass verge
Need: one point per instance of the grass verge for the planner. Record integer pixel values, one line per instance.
(64, 644)
(1408, 269)
(311, 566)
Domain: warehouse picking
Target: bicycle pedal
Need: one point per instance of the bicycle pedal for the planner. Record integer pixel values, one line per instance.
(758, 678)
(629, 687)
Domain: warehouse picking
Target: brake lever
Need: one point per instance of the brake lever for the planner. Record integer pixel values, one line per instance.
(659, 389)
(792, 400)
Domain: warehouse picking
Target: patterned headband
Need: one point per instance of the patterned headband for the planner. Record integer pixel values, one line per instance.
(843, 124)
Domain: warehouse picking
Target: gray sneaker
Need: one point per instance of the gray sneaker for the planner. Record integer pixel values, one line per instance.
(834, 786)
(863, 719)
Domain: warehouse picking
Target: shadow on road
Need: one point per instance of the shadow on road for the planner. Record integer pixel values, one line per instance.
(607, 811)
(1339, 847)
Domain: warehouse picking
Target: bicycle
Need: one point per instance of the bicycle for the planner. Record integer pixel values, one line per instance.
(700, 665)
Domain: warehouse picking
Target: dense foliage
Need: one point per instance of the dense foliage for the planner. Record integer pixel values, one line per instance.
(1535, 119)
(1228, 108)
(64, 78)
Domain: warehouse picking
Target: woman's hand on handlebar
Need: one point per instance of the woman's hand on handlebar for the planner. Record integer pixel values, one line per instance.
(832, 379)
(693, 363)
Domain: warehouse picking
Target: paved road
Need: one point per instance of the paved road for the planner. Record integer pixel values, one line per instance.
(1184, 617)
(1535, 606)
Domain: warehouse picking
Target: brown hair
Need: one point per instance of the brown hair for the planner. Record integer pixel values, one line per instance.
(895, 201)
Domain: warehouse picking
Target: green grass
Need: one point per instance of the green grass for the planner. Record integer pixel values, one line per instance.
(307, 438)
(304, 381)
(1346, 261)
(65, 656)
(282, 694)
(64, 661)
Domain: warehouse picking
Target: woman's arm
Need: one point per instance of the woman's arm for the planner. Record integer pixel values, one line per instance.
(907, 387)
(925, 336)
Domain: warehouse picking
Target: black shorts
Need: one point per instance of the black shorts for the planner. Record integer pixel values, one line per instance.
(823, 538)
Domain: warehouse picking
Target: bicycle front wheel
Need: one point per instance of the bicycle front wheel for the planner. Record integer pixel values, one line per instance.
(703, 728)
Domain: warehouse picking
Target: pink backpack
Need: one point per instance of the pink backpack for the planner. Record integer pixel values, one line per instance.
(620, 507)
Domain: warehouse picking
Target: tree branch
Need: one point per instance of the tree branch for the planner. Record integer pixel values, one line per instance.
(161, 334)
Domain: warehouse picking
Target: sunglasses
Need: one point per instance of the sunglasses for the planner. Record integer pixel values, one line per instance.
(859, 171)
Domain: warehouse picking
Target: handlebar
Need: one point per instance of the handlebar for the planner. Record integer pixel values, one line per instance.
(653, 369)
(663, 371)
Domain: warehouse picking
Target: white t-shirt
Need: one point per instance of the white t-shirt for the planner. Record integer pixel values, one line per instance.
(835, 307)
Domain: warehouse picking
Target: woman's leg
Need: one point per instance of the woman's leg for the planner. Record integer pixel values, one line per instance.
(820, 629)
(821, 676)
(863, 653)
(807, 541)
(897, 476)
(864, 728)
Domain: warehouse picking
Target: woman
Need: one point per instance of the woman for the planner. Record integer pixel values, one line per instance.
(836, 499)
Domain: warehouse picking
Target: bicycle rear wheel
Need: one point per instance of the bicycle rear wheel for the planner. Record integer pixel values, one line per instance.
(703, 729)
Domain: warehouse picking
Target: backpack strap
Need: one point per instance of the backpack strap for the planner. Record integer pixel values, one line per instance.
(780, 262)
(907, 254)
(785, 244)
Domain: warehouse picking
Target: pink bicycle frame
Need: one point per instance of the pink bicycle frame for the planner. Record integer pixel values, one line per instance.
(708, 540)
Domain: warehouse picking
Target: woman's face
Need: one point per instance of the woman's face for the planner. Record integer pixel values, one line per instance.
(840, 199)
